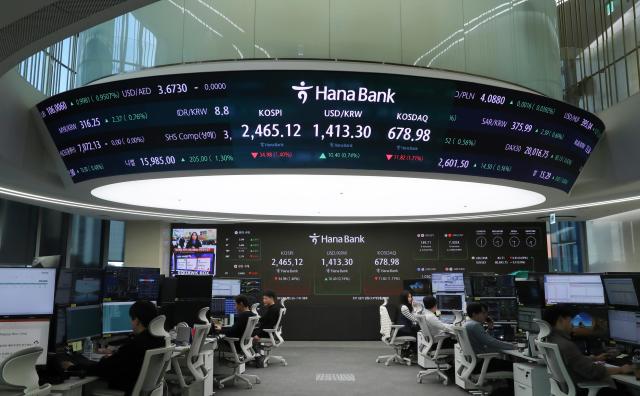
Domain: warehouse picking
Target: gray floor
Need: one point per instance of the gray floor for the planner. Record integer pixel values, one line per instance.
(354, 360)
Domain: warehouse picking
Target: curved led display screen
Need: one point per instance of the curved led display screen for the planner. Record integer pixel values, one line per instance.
(318, 119)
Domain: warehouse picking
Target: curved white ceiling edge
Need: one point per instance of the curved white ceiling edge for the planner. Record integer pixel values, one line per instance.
(343, 196)
(177, 217)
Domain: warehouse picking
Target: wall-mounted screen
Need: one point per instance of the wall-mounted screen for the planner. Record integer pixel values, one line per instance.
(318, 119)
(193, 251)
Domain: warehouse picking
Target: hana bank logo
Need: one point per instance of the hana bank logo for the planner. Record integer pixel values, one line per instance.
(302, 93)
(314, 237)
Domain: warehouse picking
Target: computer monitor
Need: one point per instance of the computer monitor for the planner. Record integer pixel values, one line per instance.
(526, 315)
(492, 286)
(82, 322)
(590, 322)
(226, 287)
(417, 286)
(168, 288)
(27, 291)
(17, 334)
(450, 302)
(229, 306)
(193, 287)
(502, 309)
(131, 283)
(447, 282)
(529, 293)
(187, 311)
(115, 317)
(622, 290)
(624, 326)
(79, 286)
(248, 287)
(573, 289)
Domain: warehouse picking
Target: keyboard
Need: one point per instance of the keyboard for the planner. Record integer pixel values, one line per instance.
(619, 361)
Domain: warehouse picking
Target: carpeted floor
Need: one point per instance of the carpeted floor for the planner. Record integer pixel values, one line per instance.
(339, 368)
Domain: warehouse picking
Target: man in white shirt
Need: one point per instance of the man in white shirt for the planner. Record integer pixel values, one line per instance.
(436, 326)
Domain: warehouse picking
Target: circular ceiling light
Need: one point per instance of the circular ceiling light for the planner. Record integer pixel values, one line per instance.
(318, 195)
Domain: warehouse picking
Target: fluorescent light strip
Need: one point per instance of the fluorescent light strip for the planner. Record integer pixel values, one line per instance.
(174, 216)
(263, 50)
(239, 52)
(203, 23)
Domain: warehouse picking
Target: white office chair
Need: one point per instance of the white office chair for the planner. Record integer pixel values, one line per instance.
(437, 359)
(274, 341)
(193, 361)
(254, 309)
(18, 374)
(458, 318)
(389, 333)
(559, 378)
(202, 315)
(470, 360)
(545, 329)
(183, 334)
(238, 358)
(156, 328)
(151, 378)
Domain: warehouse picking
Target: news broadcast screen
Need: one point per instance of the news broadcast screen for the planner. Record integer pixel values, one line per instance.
(193, 251)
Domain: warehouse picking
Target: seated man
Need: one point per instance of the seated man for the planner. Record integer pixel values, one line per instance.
(482, 342)
(581, 368)
(435, 325)
(121, 369)
(269, 315)
(240, 321)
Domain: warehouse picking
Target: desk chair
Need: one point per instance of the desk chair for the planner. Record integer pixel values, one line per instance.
(274, 341)
(458, 318)
(193, 362)
(18, 374)
(246, 348)
(559, 379)
(545, 329)
(254, 309)
(438, 359)
(156, 328)
(389, 333)
(202, 315)
(151, 378)
(183, 334)
(470, 360)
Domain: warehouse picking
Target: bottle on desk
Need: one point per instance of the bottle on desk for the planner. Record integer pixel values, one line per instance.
(87, 349)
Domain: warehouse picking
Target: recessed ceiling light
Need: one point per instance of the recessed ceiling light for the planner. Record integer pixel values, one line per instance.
(318, 195)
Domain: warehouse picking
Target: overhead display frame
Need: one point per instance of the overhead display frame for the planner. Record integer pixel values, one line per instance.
(318, 119)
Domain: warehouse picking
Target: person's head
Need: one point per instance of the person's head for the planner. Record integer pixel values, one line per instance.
(242, 303)
(406, 298)
(430, 303)
(477, 311)
(142, 313)
(194, 236)
(559, 317)
(269, 298)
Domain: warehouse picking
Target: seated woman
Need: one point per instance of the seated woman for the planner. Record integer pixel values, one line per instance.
(407, 317)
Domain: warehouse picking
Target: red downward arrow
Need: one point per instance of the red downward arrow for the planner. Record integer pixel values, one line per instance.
(254, 155)
(389, 156)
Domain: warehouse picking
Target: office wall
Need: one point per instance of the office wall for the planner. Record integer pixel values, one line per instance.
(613, 243)
(147, 245)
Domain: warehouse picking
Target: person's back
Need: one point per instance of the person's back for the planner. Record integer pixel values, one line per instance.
(480, 340)
(121, 370)
(243, 313)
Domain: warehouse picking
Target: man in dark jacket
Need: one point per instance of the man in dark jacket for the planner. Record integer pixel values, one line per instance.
(243, 313)
(269, 315)
(121, 369)
(581, 368)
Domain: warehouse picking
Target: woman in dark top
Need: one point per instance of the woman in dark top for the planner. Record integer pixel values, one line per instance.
(194, 241)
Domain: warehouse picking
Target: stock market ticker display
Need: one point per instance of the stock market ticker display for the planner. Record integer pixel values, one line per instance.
(318, 119)
(343, 271)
